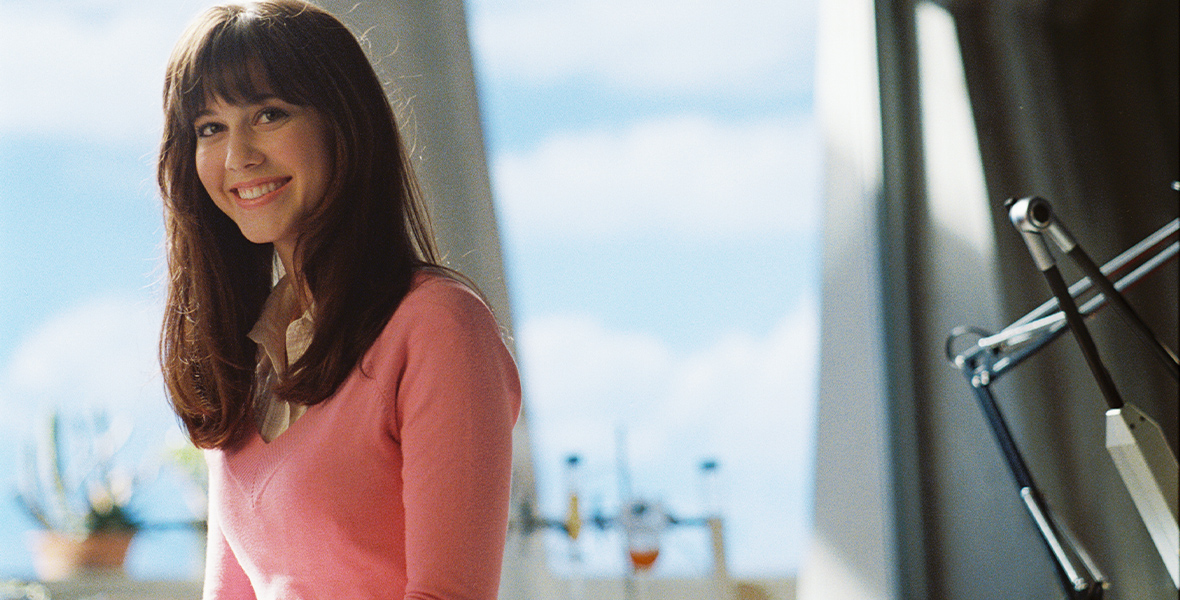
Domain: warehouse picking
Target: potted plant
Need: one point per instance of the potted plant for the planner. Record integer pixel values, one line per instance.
(74, 489)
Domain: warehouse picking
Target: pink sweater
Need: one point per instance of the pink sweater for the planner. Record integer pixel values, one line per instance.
(396, 487)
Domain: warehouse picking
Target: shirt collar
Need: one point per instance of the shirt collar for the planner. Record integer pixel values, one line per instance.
(281, 331)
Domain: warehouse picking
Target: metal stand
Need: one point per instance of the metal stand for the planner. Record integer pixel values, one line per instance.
(1078, 575)
(993, 355)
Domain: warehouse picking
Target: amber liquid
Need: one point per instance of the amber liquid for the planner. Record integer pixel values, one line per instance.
(643, 559)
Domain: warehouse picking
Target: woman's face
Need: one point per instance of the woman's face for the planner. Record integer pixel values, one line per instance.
(266, 164)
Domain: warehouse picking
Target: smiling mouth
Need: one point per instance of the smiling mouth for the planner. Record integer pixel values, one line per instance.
(257, 191)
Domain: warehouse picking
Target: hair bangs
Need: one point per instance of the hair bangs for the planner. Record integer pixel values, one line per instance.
(239, 63)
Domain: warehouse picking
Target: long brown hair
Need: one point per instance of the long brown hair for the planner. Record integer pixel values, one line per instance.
(356, 253)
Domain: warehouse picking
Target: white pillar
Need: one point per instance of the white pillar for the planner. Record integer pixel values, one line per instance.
(851, 554)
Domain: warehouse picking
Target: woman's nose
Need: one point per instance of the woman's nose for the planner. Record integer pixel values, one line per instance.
(242, 151)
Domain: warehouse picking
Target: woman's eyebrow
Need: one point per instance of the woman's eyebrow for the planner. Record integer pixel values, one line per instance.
(250, 101)
(261, 98)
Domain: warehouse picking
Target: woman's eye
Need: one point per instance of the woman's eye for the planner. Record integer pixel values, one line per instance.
(270, 115)
(207, 129)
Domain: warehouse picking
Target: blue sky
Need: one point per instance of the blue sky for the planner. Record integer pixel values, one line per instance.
(656, 171)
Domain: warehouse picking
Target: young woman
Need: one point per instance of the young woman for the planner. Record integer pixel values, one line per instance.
(357, 414)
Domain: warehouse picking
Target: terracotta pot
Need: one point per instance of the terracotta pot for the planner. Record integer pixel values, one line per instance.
(57, 556)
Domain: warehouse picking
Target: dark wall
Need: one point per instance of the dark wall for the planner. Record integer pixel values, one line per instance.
(1076, 102)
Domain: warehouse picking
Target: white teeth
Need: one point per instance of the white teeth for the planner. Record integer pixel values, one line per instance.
(254, 192)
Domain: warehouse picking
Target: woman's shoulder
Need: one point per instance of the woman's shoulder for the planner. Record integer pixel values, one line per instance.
(439, 300)
(440, 310)
(439, 288)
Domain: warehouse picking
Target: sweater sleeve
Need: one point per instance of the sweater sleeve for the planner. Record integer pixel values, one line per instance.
(224, 577)
(457, 402)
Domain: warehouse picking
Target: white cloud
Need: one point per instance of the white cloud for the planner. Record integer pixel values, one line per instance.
(84, 69)
(681, 174)
(650, 45)
(746, 401)
(100, 355)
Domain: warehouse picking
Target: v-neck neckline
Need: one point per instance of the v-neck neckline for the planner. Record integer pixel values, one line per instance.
(256, 461)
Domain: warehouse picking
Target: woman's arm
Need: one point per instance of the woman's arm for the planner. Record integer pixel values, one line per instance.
(458, 400)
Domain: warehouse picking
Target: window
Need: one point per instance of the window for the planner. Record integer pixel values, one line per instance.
(656, 171)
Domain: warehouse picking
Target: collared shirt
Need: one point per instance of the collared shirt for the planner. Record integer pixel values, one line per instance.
(282, 335)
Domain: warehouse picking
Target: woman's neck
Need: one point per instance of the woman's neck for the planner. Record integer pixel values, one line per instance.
(286, 253)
